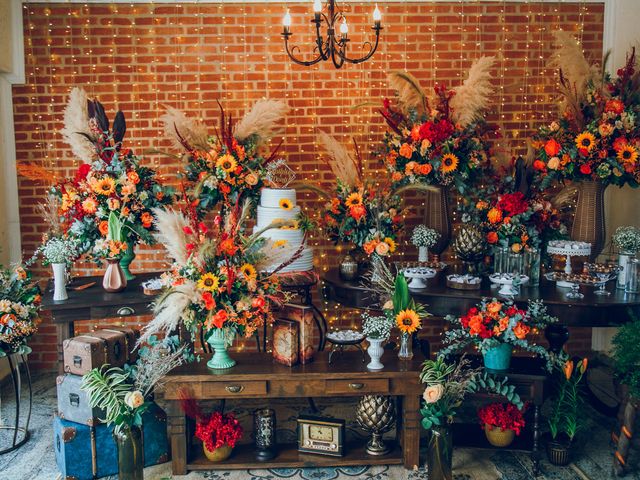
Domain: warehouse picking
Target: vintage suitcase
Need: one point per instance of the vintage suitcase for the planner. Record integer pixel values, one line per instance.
(84, 452)
(131, 336)
(92, 350)
(72, 401)
(303, 315)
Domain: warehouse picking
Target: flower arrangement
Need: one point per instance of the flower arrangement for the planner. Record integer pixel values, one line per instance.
(424, 236)
(406, 313)
(111, 180)
(376, 327)
(627, 239)
(124, 393)
(218, 430)
(565, 416)
(19, 308)
(111, 247)
(597, 136)
(505, 416)
(219, 275)
(58, 250)
(492, 323)
(228, 167)
(441, 142)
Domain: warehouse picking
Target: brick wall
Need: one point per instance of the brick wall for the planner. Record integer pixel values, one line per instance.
(140, 57)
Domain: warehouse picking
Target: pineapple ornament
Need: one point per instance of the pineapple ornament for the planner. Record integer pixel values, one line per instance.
(376, 415)
(470, 245)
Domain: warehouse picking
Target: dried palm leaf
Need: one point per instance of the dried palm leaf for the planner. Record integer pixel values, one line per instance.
(411, 95)
(170, 226)
(343, 165)
(37, 173)
(261, 120)
(472, 98)
(184, 131)
(76, 131)
(50, 214)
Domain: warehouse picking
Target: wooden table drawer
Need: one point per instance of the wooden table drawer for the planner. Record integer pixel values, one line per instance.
(231, 389)
(360, 385)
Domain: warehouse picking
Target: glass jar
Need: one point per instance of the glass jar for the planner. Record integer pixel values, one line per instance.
(532, 266)
(406, 347)
(623, 260)
(500, 260)
(516, 263)
(633, 276)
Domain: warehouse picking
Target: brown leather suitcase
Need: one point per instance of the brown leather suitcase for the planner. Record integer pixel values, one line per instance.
(92, 350)
(131, 336)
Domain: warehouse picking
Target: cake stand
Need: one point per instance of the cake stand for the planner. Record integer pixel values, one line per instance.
(418, 275)
(509, 282)
(604, 273)
(568, 250)
(343, 339)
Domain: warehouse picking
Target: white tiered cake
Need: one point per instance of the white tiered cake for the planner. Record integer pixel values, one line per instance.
(278, 204)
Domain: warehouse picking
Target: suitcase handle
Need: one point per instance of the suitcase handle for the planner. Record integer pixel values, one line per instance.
(74, 399)
(77, 361)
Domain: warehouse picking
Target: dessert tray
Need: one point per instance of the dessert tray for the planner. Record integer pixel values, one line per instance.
(418, 275)
(464, 282)
(596, 275)
(509, 282)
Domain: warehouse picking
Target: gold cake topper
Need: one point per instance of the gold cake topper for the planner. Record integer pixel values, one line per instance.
(279, 174)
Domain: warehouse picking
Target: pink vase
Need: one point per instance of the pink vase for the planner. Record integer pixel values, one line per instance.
(114, 278)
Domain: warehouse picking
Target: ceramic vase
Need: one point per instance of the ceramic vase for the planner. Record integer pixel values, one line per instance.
(114, 278)
(130, 455)
(126, 259)
(498, 437)
(440, 454)
(498, 358)
(588, 222)
(219, 454)
(406, 347)
(423, 254)
(623, 260)
(375, 352)
(59, 281)
(219, 339)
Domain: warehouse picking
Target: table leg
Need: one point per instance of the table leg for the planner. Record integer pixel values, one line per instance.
(411, 431)
(63, 331)
(177, 430)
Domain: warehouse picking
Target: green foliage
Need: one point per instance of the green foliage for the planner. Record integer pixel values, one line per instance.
(401, 297)
(498, 386)
(626, 355)
(115, 227)
(567, 400)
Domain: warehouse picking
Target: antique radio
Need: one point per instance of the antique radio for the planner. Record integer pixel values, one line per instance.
(321, 435)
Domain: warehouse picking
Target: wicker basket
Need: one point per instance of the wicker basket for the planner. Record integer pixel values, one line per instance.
(588, 222)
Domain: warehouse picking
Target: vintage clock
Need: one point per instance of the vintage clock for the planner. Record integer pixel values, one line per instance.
(321, 435)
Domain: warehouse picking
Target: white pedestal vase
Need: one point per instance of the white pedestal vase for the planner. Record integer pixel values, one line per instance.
(59, 281)
(623, 260)
(375, 352)
(423, 254)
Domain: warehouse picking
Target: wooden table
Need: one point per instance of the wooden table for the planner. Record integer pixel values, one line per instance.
(95, 303)
(257, 376)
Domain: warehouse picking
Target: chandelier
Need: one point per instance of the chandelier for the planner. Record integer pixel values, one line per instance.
(332, 47)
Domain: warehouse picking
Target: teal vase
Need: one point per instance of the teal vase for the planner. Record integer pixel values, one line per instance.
(218, 341)
(498, 358)
(126, 260)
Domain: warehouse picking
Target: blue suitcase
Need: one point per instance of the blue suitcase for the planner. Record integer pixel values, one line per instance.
(88, 452)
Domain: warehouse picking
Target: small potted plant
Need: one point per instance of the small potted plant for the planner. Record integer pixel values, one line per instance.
(627, 241)
(564, 419)
(219, 433)
(501, 422)
(424, 238)
(59, 252)
(377, 330)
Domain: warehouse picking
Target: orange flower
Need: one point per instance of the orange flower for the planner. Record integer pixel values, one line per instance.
(227, 247)
(159, 195)
(370, 246)
(103, 228)
(133, 177)
(583, 365)
(482, 205)
(475, 324)
(492, 237)
(615, 106)
(209, 301)
(358, 211)
(494, 215)
(425, 169)
(90, 205)
(406, 150)
(503, 323)
(494, 307)
(516, 247)
(396, 176)
(552, 148)
(539, 165)
(415, 133)
(521, 330)
(219, 318)
(568, 369)
(335, 204)
(147, 220)
(410, 167)
(391, 158)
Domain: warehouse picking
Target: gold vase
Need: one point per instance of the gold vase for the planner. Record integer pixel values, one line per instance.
(218, 454)
(437, 217)
(498, 437)
(376, 414)
(588, 223)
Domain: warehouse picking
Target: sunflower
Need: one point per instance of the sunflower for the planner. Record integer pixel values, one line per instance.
(280, 244)
(209, 282)
(285, 204)
(392, 244)
(248, 271)
(586, 140)
(105, 186)
(628, 154)
(449, 163)
(226, 163)
(408, 321)
(353, 199)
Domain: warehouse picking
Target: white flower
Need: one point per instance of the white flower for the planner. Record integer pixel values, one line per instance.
(5, 306)
(376, 327)
(134, 399)
(433, 393)
(424, 236)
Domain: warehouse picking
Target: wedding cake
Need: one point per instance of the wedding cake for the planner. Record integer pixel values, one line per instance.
(279, 204)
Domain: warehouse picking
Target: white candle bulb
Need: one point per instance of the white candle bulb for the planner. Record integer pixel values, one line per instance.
(286, 21)
(344, 28)
(377, 16)
(317, 6)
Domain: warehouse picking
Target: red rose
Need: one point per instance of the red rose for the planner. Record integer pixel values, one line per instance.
(187, 230)
(513, 203)
(492, 237)
(539, 165)
(82, 172)
(258, 302)
(585, 169)
(583, 152)
(552, 148)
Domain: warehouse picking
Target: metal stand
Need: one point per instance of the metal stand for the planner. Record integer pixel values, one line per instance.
(16, 380)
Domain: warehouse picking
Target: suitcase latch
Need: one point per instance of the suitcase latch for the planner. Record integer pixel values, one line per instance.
(77, 361)
(74, 399)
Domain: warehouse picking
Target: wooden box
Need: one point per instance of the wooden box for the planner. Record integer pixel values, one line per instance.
(285, 342)
(303, 315)
(92, 350)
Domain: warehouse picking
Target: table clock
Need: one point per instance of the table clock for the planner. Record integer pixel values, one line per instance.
(321, 435)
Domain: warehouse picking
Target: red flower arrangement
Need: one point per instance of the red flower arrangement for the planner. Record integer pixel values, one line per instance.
(506, 416)
(218, 430)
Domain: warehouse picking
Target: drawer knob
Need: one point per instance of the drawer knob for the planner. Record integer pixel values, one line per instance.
(356, 386)
(124, 311)
(234, 388)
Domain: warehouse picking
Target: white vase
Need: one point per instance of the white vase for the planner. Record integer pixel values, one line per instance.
(375, 351)
(423, 254)
(623, 260)
(59, 281)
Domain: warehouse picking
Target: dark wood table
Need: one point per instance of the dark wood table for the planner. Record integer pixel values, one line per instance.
(95, 303)
(440, 300)
(257, 376)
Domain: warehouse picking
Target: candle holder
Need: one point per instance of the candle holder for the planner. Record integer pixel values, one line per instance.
(264, 431)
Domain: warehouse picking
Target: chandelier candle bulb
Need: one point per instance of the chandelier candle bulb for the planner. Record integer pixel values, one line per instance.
(377, 17)
(286, 23)
(344, 28)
